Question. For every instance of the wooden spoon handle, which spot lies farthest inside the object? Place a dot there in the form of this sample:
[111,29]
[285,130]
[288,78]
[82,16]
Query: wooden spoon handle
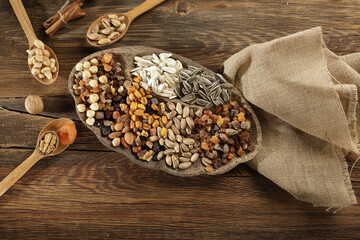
[24,20]
[18,172]
[142,8]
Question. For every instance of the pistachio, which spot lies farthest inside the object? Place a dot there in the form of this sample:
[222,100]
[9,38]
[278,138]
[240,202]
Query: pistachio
[104,41]
[184,165]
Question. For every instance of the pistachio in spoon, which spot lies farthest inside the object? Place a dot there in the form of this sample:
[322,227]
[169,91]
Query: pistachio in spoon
[107,29]
[110,28]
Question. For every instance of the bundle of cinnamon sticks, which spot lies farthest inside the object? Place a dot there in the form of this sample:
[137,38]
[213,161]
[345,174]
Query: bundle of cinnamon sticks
[71,12]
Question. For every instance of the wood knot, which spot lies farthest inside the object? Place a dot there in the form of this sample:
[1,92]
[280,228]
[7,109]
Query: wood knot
[182,7]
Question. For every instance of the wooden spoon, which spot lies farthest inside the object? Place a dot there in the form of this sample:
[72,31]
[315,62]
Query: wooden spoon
[25,166]
[129,17]
[25,23]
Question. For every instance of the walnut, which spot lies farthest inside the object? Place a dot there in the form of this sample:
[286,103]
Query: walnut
[34,104]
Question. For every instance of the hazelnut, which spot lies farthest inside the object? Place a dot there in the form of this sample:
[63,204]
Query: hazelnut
[34,104]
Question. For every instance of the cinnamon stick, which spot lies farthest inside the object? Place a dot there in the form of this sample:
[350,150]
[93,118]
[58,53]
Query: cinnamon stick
[56,17]
[60,23]
[69,13]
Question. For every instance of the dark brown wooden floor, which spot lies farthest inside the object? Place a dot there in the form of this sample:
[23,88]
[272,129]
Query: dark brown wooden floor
[91,192]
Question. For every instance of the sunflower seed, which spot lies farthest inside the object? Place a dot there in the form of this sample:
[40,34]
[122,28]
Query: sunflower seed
[187,86]
[194,157]
[203,80]
[175,130]
[220,78]
[188,98]
[190,122]
[226,85]
[188,141]
[202,102]
[192,68]
[177,124]
[196,87]
[168,160]
[184,75]
[171,106]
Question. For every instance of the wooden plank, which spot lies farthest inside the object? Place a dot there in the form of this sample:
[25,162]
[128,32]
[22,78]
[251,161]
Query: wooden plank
[91,192]
[54,106]
[80,193]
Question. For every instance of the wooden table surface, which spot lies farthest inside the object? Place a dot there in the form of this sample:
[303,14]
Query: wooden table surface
[91,192]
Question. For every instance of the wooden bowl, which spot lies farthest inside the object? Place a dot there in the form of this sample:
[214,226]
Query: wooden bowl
[125,55]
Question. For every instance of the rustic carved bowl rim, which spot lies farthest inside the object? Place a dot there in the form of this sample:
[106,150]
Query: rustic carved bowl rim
[126,55]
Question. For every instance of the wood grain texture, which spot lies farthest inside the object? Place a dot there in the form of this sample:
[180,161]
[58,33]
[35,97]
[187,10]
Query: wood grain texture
[91,192]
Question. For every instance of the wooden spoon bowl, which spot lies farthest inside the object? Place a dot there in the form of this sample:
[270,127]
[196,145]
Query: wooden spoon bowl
[45,80]
[25,166]
[126,57]
[98,21]
[129,17]
[25,23]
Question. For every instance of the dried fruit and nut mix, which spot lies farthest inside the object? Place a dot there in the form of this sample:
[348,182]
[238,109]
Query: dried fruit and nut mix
[128,113]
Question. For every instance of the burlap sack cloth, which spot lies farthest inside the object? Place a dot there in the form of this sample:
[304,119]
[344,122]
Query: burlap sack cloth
[305,98]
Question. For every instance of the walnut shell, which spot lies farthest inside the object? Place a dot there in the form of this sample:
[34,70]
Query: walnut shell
[34,104]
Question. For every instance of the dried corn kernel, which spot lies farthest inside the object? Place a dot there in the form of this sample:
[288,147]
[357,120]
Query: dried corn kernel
[139,112]
[133,105]
[150,119]
[131,89]
[164,119]
[136,85]
[138,124]
[144,133]
[146,116]
[162,107]
[131,96]
[215,139]
[144,100]
[146,126]
[149,144]
[123,106]
[141,106]
[156,123]
[132,124]
[131,112]
[137,94]
[154,107]
[134,118]
[137,79]
[156,116]
[241,117]
[163,131]
[142,92]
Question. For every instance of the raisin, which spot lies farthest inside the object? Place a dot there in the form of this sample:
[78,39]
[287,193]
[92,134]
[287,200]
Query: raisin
[108,114]
[105,130]
[156,147]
